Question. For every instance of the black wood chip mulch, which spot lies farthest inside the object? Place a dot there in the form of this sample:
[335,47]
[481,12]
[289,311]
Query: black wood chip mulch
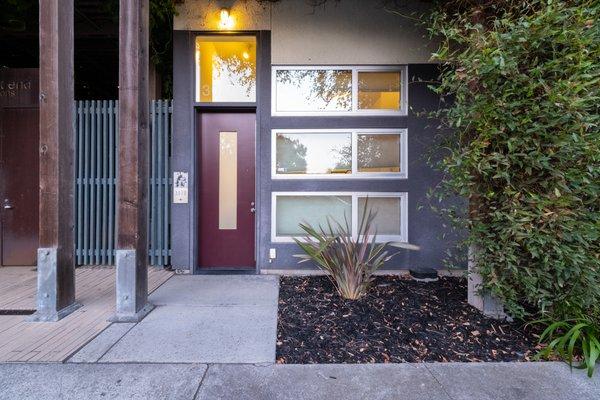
[399,320]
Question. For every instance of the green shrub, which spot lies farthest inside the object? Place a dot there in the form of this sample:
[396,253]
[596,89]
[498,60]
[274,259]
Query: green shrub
[523,145]
[349,262]
[570,338]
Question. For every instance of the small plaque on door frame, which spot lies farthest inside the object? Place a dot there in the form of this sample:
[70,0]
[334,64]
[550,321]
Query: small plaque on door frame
[180,187]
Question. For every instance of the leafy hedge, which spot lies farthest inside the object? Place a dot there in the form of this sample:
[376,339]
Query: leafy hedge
[524,80]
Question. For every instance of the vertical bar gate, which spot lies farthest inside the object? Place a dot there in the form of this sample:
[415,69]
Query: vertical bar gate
[96,127]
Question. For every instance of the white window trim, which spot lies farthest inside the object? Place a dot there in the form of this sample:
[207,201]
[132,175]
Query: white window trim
[403,196]
[356,112]
[355,174]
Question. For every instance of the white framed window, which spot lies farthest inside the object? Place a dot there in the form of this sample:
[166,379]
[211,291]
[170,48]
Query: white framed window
[339,90]
[339,154]
[289,209]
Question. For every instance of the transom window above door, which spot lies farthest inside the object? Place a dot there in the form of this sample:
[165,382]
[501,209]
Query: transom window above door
[339,154]
[225,69]
[340,90]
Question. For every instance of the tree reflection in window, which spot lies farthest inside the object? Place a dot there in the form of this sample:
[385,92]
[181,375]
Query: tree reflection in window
[378,153]
[226,69]
[314,90]
[314,153]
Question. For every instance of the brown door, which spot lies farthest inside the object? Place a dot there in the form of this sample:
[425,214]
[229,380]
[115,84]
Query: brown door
[19,174]
[226,190]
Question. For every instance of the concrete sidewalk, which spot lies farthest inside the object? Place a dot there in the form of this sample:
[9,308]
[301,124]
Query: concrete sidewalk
[455,381]
[197,319]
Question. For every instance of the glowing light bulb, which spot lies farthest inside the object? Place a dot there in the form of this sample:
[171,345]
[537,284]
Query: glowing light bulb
[245,55]
[226,21]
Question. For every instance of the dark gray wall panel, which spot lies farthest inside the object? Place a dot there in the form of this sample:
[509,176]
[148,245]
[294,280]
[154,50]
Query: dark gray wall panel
[182,147]
[426,229]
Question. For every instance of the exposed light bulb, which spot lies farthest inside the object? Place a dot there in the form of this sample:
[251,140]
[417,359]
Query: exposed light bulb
[226,21]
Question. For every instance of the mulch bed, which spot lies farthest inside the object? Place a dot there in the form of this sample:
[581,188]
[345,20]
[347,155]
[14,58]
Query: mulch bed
[400,320]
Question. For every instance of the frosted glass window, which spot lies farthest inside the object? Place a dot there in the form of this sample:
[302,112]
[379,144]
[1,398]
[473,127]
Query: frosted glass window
[227,180]
[225,69]
[314,153]
[314,210]
[378,152]
[389,213]
[313,90]
[379,90]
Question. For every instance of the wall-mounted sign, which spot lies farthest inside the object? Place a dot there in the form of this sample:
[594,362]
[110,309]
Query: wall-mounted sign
[180,187]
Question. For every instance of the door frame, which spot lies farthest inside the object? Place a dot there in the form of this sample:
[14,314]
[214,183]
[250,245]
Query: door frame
[199,112]
[184,239]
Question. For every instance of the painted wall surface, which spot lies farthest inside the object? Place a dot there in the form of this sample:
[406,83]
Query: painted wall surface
[337,32]
[425,228]
[351,32]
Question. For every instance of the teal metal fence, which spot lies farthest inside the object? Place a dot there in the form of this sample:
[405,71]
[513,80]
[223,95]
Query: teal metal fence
[96,151]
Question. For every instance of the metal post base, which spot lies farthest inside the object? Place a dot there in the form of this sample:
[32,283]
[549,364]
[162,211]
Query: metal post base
[132,300]
[134,317]
[52,316]
[47,289]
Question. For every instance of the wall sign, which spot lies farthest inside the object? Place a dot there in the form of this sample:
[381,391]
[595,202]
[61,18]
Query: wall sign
[180,187]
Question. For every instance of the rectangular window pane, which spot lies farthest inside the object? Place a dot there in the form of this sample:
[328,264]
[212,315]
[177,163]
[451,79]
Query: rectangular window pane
[379,90]
[313,90]
[314,210]
[388,209]
[225,69]
[228,180]
[314,153]
[378,152]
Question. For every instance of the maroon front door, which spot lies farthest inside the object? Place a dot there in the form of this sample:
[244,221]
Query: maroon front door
[19,181]
[226,190]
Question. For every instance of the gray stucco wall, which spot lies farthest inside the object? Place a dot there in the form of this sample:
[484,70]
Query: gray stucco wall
[337,32]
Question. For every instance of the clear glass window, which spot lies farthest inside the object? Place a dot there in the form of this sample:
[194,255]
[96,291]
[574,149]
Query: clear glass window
[339,154]
[378,152]
[314,210]
[314,153]
[379,90]
[225,69]
[313,90]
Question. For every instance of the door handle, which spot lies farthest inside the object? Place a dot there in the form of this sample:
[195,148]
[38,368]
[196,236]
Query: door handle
[7,205]
[252,208]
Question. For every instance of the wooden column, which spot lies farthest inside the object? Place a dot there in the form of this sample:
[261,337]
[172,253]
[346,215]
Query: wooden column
[132,187]
[56,266]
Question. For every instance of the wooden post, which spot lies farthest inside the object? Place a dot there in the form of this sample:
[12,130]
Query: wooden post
[56,265]
[132,187]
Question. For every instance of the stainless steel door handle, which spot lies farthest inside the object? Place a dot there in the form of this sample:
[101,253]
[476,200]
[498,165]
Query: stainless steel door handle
[8,207]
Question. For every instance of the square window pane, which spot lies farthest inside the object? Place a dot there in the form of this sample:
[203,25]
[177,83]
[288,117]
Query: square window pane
[379,90]
[313,90]
[225,69]
[314,210]
[313,153]
[388,209]
[378,152]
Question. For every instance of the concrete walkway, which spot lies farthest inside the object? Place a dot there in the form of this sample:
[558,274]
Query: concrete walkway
[197,319]
[455,381]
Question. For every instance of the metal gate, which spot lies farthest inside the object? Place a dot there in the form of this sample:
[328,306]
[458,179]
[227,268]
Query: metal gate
[96,126]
